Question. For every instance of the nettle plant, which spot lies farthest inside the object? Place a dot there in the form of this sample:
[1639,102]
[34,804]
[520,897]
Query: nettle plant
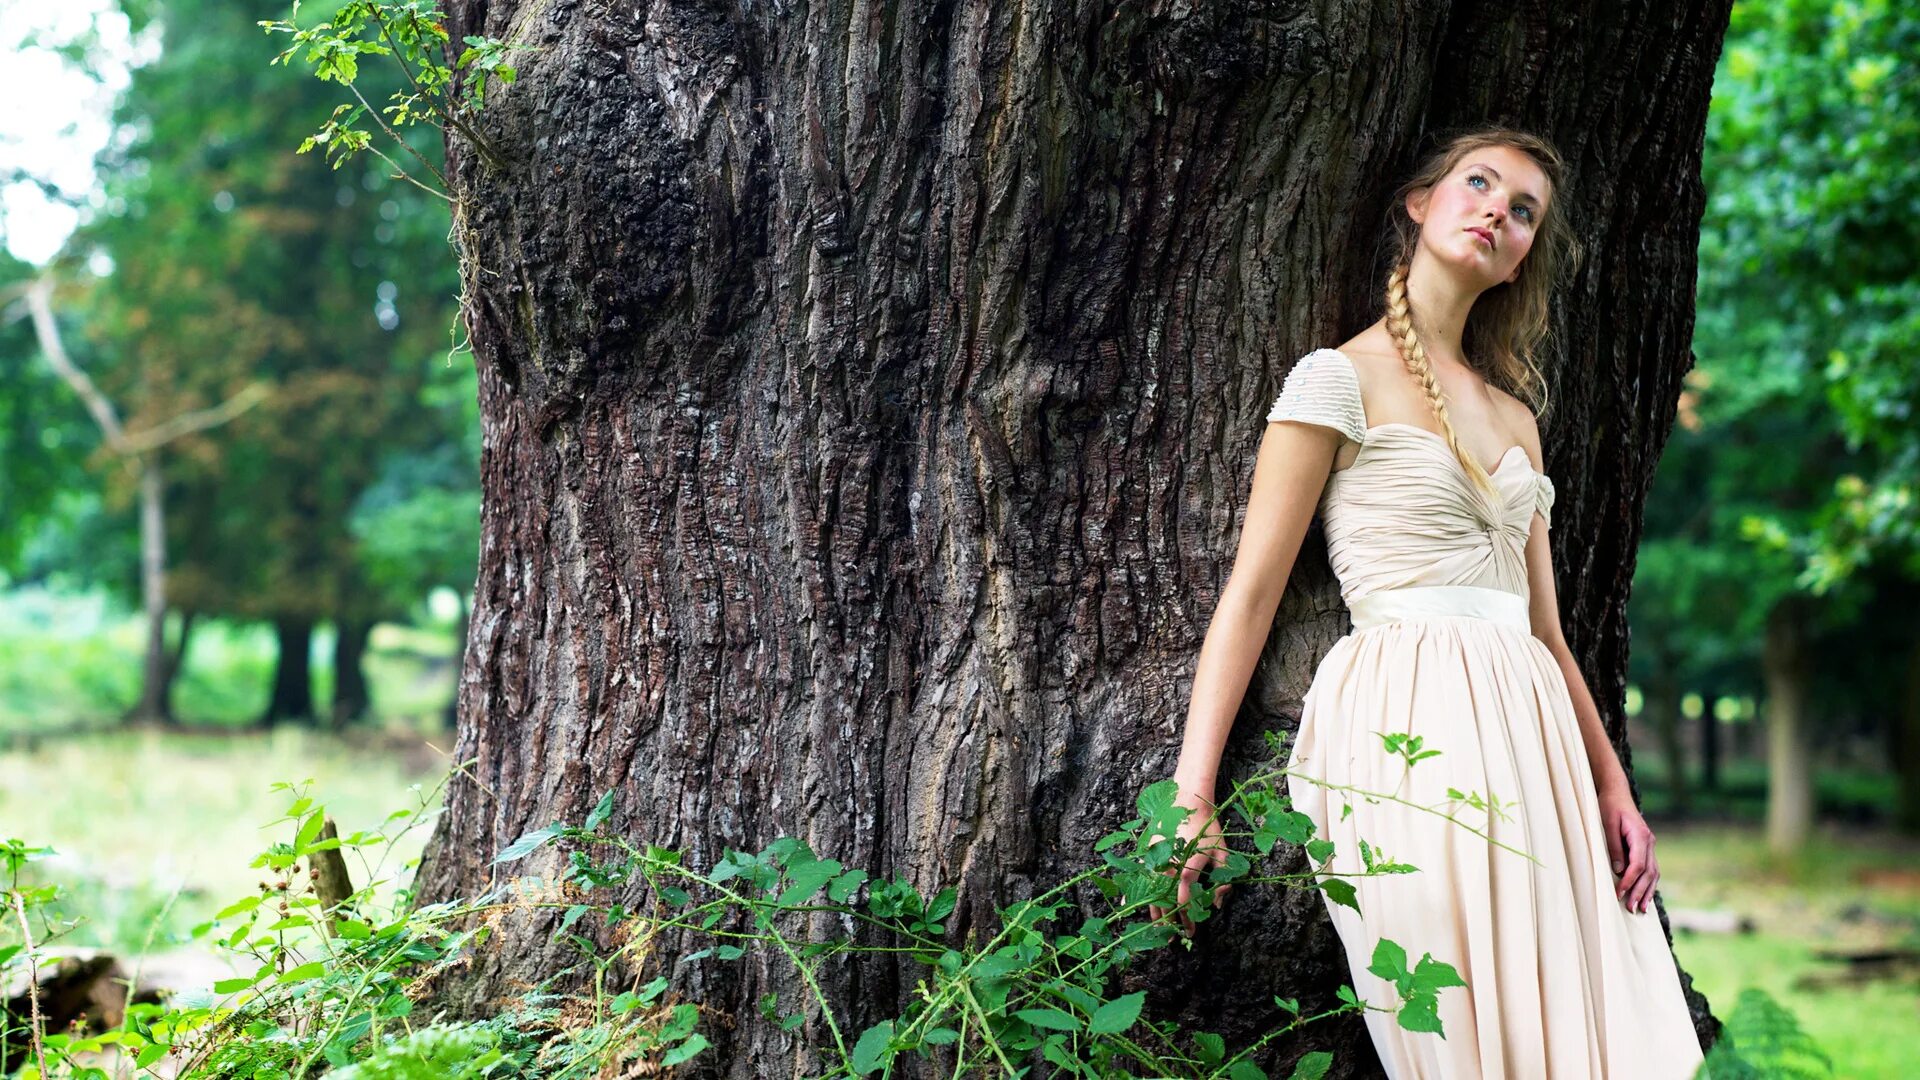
[329,976]
[412,36]
[1037,987]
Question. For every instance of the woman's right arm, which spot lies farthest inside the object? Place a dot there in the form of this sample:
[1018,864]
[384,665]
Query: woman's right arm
[1288,477]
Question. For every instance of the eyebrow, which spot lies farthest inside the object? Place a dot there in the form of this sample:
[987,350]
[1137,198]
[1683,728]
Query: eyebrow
[1496,175]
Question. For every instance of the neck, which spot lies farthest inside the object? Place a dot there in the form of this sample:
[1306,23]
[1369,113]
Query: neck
[1440,303]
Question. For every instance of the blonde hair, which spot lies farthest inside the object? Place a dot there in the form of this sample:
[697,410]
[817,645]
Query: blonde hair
[1509,319]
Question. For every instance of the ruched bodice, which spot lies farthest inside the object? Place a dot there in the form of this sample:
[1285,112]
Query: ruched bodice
[1405,512]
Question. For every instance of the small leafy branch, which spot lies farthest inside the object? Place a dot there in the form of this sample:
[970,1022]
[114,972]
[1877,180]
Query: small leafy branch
[413,35]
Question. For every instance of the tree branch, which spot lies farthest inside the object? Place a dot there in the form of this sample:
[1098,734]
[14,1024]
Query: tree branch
[39,298]
[40,303]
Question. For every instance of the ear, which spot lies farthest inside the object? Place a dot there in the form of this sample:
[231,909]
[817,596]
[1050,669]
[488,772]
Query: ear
[1417,204]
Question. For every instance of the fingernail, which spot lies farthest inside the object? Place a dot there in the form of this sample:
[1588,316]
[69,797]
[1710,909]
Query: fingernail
[1616,868]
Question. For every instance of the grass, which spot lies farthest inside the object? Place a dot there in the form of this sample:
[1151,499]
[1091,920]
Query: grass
[1853,888]
[147,822]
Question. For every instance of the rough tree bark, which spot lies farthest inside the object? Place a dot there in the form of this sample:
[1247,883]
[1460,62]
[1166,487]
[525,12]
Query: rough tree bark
[871,390]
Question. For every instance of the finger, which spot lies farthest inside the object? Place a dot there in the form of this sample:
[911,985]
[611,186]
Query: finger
[1645,893]
[1636,867]
[1220,895]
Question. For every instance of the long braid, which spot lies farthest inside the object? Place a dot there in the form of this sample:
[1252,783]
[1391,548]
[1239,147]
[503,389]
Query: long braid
[1407,341]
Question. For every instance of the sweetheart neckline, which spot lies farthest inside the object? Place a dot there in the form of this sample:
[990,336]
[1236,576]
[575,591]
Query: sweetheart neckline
[1499,464]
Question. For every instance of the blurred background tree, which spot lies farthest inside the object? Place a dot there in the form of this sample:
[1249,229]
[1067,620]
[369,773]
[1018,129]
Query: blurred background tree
[1780,553]
[217,257]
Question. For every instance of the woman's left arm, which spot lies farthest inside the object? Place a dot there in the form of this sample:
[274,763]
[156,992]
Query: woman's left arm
[1629,840]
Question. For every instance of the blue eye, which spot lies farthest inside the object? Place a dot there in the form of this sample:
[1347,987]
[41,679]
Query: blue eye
[1521,209]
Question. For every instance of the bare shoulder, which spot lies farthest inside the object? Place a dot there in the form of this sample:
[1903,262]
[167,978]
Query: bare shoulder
[1519,420]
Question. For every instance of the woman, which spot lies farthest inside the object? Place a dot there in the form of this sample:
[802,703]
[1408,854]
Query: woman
[1426,471]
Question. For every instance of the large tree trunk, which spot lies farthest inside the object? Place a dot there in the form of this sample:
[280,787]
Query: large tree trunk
[871,394]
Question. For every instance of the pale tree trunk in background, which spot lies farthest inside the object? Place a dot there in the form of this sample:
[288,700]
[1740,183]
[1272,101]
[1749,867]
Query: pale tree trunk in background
[155,683]
[139,452]
[1789,740]
[870,397]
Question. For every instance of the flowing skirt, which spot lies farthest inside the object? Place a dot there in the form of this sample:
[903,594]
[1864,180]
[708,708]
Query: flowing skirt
[1563,981]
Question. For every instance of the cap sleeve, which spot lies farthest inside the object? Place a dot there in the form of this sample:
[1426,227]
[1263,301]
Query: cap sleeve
[1543,497]
[1323,389]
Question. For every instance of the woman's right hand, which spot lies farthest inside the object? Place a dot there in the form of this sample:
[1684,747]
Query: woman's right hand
[1211,850]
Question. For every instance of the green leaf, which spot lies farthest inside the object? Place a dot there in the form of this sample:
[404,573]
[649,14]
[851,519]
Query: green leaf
[231,986]
[1341,891]
[1118,1015]
[807,878]
[1389,961]
[310,830]
[695,1043]
[1213,1048]
[844,886]
[1051,1019]
[1245,1070]
[238,907]
[874,1048]
[529,843]
[601,811]
[1421,1013]
[1432,975]
[311,970]
[1312,1065]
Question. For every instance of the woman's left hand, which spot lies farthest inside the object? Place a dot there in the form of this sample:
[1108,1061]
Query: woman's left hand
[1630,847]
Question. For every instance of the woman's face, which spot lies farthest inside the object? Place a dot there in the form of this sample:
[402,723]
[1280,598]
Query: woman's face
[1482,216]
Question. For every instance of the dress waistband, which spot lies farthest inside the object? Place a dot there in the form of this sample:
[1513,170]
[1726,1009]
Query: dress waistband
[1421,601]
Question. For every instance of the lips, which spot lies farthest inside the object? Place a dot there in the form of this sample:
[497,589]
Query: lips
[1483,233]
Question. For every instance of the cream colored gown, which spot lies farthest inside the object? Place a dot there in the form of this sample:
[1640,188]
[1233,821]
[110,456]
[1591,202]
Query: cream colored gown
[1562,980]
